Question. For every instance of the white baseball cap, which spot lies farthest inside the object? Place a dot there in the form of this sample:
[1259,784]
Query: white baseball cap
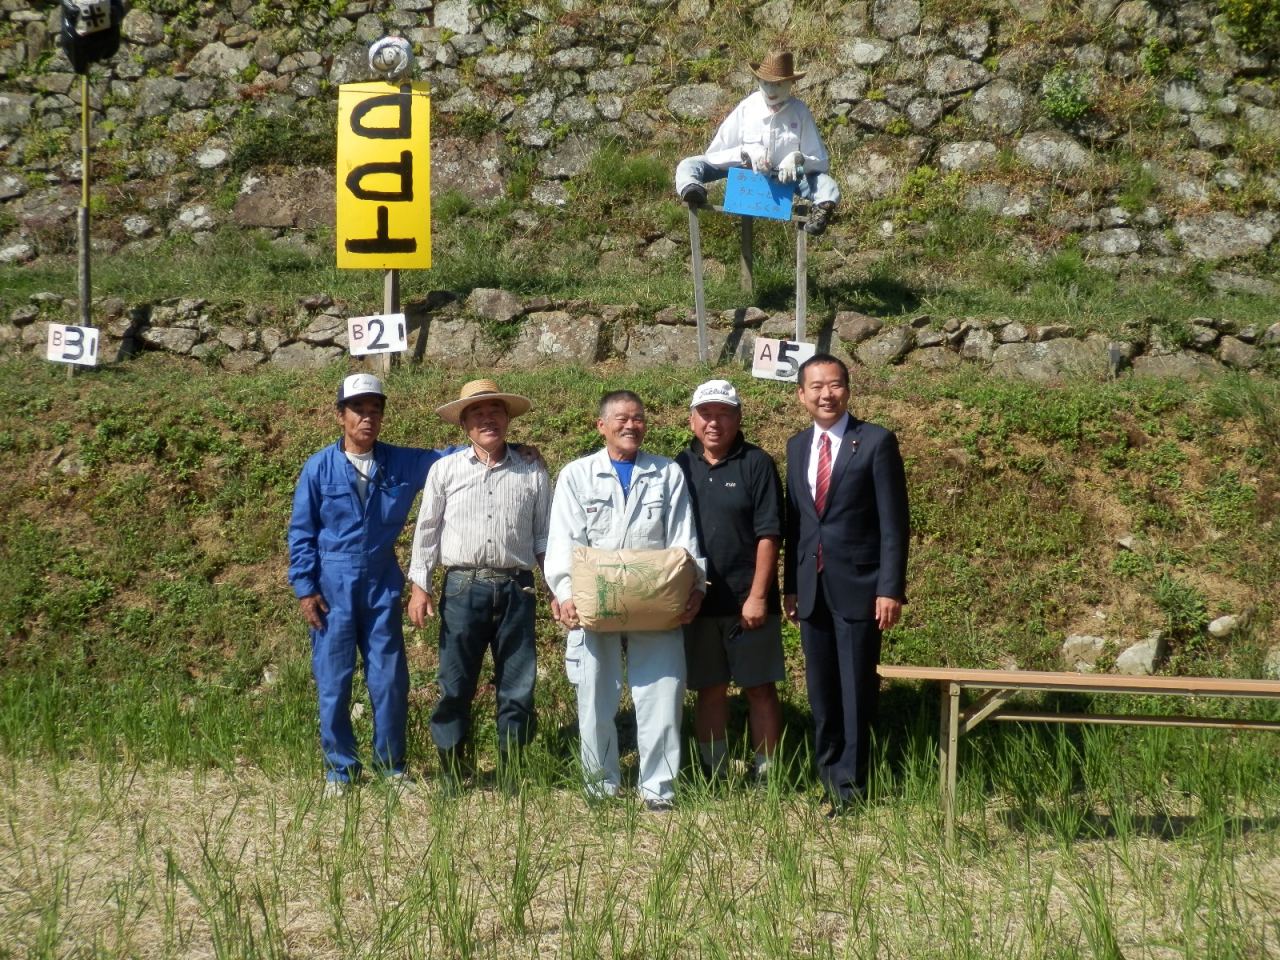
[715,391]
[360,385]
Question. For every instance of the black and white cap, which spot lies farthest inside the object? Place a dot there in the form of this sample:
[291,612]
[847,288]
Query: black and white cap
[715,391]
[360,385]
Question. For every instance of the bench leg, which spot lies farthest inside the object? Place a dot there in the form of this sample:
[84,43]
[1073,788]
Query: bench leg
[948,750]
[699,295]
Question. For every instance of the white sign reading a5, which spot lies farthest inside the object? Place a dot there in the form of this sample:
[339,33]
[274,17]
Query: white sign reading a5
[385,333]
[68,344]
[780,359]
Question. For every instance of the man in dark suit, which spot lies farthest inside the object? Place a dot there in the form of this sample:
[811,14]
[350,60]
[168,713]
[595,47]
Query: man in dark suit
[845,567]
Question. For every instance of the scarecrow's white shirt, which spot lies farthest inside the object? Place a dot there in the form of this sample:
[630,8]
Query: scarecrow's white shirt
[787,131]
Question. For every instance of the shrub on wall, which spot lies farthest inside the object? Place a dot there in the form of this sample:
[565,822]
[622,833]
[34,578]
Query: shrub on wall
[1253,24]
[1064,96]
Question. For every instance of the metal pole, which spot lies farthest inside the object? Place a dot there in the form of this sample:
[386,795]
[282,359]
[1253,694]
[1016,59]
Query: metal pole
[390,283]
[699,294]
[82,215]
[802,284]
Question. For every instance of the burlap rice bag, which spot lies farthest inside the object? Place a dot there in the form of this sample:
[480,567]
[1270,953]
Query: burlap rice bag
[627,590]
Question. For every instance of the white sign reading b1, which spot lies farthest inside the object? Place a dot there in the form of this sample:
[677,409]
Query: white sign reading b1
[780,359]
[69,344]
[385,333]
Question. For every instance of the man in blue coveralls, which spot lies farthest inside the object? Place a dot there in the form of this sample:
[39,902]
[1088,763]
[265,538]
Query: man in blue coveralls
[349,508]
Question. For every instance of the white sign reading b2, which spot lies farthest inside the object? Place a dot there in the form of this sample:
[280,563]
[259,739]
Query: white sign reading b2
[385,333]
[780,359]
[68,344]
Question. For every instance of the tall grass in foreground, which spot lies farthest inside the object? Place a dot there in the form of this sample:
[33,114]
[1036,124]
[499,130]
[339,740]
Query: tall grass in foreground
[1066,859]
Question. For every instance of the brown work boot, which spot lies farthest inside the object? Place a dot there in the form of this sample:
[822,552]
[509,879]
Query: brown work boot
[819,217]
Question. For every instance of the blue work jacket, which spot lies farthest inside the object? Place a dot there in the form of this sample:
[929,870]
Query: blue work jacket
[330,525]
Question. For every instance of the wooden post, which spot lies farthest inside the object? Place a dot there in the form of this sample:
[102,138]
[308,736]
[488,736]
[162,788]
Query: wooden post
[390,304]
[947,778]
[748,253]
[802,284]
[699,294]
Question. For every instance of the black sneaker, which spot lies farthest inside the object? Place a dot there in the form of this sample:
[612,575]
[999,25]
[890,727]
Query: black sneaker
[819,217]
[659,806]
[695,195]
[846,806]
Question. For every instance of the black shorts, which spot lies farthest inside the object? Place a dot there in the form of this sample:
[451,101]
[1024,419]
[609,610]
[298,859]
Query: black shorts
[717,650]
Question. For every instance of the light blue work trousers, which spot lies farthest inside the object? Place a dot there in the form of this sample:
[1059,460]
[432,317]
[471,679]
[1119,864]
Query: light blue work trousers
[814,187]
[655,671]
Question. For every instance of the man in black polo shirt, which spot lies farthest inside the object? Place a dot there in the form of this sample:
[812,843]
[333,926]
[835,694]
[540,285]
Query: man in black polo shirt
[737,635]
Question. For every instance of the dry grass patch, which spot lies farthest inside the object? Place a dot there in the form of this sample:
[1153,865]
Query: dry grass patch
[110,861]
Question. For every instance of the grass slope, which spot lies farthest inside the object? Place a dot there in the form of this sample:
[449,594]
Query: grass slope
[143,592]
[159,776]
[970,274]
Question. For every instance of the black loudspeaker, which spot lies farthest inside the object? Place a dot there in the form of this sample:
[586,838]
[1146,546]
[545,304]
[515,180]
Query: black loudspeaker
[90,31]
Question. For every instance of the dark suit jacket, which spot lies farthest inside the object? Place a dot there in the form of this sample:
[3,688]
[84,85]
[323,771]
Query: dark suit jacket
[863,528]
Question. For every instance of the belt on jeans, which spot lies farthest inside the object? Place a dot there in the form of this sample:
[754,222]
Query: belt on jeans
[488,573]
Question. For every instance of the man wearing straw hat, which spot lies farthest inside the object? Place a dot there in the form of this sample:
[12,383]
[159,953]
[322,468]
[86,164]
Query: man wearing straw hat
[774,134]
[483,519]
[349,509]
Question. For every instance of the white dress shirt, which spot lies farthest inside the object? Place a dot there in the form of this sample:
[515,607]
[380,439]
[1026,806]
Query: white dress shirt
[836,433]
[789,130]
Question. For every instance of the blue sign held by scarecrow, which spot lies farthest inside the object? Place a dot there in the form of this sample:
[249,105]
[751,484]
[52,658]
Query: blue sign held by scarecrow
[755,195]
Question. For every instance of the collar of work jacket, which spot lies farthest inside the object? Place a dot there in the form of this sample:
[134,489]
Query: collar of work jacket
[646,482]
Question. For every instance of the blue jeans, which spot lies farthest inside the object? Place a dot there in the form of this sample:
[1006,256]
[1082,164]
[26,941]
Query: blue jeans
[480,612]
[814,187]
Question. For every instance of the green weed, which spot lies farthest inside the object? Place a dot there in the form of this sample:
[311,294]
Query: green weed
[1253,24]
[1064,96]
[262,142]
[1154,58]
[1182,604]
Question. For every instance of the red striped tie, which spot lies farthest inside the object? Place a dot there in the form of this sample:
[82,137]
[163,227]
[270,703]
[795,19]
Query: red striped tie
[823,481]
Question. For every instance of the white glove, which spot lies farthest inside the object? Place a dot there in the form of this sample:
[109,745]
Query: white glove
[790,166]
[753,153]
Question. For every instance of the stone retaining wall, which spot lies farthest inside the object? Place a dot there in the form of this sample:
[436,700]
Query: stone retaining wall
[203,112]
[495,328]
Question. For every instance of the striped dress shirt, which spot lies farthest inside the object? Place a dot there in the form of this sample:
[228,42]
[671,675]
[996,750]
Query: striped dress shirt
[473,515]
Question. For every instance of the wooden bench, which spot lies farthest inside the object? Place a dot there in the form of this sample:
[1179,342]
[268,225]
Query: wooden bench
[1001,685]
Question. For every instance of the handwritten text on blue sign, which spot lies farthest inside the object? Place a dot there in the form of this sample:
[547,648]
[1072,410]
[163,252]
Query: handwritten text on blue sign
[755,195]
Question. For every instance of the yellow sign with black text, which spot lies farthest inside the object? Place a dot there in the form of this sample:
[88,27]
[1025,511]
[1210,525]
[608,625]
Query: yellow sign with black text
[384,176]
